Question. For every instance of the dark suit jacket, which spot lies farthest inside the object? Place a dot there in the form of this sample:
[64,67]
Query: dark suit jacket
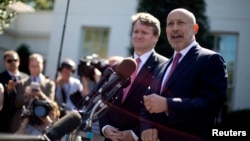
[125,115]
[200,80]
[8,105]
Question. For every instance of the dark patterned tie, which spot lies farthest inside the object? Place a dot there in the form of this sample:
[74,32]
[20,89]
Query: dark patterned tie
[174,64]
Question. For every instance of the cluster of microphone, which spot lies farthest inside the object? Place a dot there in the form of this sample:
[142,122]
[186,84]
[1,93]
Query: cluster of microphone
[106,88]
[110,82]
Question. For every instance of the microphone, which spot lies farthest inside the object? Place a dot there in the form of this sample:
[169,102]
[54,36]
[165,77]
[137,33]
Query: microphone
[104,78]
[63,126]
[123,71]
[108,98]
[123,84]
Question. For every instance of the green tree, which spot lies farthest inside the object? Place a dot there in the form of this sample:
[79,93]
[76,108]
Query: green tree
[161,8]
[7,16]
[40,4]
[24,53]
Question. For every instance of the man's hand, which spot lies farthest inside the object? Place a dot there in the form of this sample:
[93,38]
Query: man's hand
[11,85]
[36,93]
[155,103]
[97,74]
[149,135]
[126,136]
[85,84]
[27,91]
[112,133]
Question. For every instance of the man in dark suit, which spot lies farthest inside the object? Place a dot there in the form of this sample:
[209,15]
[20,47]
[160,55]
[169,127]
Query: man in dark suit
[9,78]
[184,107]
[121,122]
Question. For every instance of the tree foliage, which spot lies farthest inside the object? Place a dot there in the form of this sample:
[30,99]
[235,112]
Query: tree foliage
[161,8]
[40,4]
[24,53]
[7,15]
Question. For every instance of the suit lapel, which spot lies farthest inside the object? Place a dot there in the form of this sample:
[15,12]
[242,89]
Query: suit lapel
[23,75]
[7,76]
[42,82]
[146,68]
[188,59]
[160,74]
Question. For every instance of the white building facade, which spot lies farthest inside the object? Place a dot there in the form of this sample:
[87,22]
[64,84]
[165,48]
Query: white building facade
[108,24]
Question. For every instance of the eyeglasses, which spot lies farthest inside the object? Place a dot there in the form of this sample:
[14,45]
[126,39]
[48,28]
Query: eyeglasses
[12,60]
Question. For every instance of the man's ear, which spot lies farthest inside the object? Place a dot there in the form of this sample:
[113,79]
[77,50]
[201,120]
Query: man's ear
[195,28]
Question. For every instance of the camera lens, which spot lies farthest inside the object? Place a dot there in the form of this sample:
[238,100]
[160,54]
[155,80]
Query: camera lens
[40,111]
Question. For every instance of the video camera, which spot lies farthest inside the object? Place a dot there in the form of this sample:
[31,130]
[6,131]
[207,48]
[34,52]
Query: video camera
[87,65]
[36,110]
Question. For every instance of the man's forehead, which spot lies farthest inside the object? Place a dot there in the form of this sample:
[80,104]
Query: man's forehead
[15,56]
[181,14]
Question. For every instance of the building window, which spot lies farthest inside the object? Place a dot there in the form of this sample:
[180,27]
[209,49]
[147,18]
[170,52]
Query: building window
[95,41]
[226,45]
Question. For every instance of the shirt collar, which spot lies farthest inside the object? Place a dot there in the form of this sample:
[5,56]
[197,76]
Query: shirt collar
[144,57]
[37,78]
[11,74]
[185,50]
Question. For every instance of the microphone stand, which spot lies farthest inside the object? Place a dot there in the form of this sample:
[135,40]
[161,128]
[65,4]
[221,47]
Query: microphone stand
[100,102]
[85,101]
[85,129]
[62,37]
[99,107]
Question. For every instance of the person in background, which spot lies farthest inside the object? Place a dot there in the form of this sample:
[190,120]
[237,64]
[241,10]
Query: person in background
[87,83]
[86,80]
[183,105]
[66,84]
[114,60]
[35,125]
[1,96]
[121,121]
[35,86]
[9,79]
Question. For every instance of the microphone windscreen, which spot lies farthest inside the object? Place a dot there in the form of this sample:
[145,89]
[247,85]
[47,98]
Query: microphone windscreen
[126,67]
[65,125]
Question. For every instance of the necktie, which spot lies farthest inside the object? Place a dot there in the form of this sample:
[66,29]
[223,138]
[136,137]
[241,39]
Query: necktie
[63,94]
[15,77]
[138,61]
[174,64]
[33,79]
